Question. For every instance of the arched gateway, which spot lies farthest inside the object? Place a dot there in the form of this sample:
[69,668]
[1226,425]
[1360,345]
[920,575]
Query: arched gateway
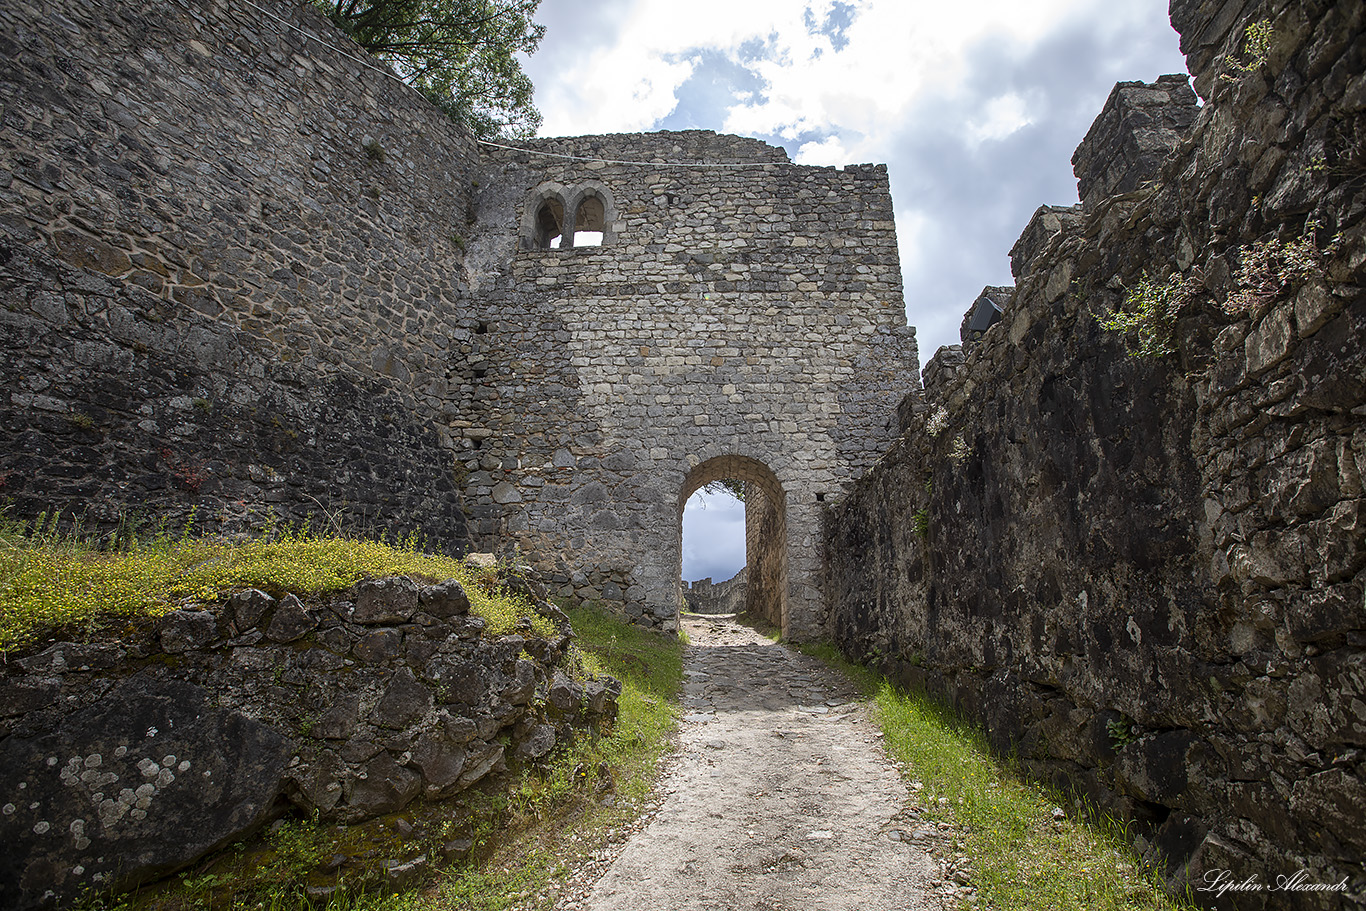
[741,318]
[765,530]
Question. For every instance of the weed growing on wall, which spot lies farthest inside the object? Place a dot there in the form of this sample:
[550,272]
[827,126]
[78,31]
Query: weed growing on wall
[1256,47]
[1272,269]
[1147,317]
[937,422]
[1123,731]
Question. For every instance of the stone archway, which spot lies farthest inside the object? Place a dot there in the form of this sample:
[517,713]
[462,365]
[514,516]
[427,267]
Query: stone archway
[765,532]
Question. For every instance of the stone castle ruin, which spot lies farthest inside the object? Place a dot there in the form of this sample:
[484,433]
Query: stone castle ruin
[245,272]
[265,273]
[703,596]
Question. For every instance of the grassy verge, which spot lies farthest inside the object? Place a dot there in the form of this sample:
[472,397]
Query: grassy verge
[1020,857]
[55,584]
[557,818]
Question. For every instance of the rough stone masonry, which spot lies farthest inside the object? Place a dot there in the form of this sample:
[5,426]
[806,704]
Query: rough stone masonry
[243,271]
[1145,575]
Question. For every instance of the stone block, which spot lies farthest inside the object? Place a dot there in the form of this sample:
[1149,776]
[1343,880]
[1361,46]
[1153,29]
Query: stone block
[445,600]
[146,781]
[183,630]
[290,621]
[405,700]
[383,601]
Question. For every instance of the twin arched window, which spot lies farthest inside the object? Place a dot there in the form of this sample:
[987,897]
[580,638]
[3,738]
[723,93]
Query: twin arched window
[560,218]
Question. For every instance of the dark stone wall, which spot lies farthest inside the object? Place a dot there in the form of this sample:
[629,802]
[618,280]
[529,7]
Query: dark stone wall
[125,758]
[230,271]
[1145,576]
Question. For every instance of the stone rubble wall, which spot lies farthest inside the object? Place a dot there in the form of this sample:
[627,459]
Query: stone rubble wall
[1145,576]
[750,312]
[231,270]
[704,596]
[123,759]
[766,569]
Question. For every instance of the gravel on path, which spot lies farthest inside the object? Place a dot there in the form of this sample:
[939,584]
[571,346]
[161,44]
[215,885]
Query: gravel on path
[780,797]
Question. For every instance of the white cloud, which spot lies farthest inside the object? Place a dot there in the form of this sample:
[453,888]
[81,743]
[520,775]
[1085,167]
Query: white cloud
[974,106]
[1002,116]
[829,151]
[713,536]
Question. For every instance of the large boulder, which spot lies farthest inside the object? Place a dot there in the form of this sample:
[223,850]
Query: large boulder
[143,783]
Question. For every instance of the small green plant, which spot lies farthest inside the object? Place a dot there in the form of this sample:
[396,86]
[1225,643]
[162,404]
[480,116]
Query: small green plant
[82,420]
[1148,315]
[921,520]
[1273,269]
[937,422]
[373,150]
[959,450]
[1122,730]
[374,192]
[1256,46]
[458,241]
[203,405]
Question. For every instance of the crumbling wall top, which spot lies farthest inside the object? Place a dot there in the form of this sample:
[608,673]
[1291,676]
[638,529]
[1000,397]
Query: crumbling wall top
[1137,129]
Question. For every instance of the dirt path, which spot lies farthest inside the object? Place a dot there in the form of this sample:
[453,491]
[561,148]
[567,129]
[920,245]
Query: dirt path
[779,798]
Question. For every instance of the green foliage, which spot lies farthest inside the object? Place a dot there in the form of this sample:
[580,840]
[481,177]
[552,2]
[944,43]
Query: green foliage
[1272,269]
[1022,857]
[50,581]
[732,486]
[1148,315]
[922,523]
[461,54]
[1122,731]
[1256,45]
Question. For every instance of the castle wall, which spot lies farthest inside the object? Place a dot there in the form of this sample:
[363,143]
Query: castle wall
[231,271]
[1145,576]
[727,597]
[248,272]
[749,313]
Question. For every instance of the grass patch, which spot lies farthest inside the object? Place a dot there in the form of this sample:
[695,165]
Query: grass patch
[52,583]
[1021,857]
[589,792]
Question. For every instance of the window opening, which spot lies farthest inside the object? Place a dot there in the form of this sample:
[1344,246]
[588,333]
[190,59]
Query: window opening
[550,225]
[589,223]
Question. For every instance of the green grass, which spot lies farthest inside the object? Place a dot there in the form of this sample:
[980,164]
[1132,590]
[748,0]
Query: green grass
[1021,858]
[51,583]
[554,817]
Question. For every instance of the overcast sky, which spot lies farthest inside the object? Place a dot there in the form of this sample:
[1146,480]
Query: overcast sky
[975,107]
